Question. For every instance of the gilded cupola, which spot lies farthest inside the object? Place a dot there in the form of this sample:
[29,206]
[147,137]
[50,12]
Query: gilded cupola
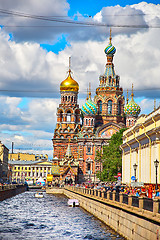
[69,84]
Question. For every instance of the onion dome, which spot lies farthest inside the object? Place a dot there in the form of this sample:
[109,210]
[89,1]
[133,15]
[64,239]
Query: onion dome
[110,50]
[89,108]
[132,108]
[69,84]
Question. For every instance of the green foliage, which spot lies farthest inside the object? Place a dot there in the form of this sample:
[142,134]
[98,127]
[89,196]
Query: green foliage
[111,158]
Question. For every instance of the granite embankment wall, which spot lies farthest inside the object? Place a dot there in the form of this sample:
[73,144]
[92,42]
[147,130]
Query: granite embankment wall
[130,222]
[9,191]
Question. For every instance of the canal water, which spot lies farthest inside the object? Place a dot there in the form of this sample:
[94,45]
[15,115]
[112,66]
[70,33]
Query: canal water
[25,217]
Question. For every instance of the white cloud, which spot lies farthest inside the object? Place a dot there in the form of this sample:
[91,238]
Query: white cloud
[26,66]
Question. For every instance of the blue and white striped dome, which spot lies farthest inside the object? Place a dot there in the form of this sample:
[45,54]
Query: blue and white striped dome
[89,108]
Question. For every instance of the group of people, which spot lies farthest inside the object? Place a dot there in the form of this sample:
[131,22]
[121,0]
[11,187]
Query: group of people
[145,191]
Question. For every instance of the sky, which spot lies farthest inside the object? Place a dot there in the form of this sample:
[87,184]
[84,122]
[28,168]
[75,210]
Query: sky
[38,37]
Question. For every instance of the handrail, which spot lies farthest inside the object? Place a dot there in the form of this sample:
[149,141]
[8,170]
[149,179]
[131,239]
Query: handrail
[122,200]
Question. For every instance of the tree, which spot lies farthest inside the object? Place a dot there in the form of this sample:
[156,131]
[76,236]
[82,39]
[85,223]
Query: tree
[111,157]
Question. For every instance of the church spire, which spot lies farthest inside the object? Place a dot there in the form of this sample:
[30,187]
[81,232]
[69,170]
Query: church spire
[127,97]
[132,94]
[110,38]
[89,93]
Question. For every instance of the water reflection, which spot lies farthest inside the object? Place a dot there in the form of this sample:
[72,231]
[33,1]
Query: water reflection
[27,217]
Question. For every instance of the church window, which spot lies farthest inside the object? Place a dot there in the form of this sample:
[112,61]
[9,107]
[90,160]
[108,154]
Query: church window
[110,80]
[61,116]
[117,81]
[88,166]
[68,116]
[129,123]
[99,103]
[86,121]
[65,98]
[68,98]
[119,108]
[109,107]
[72,99]
[92,122]
[76,115]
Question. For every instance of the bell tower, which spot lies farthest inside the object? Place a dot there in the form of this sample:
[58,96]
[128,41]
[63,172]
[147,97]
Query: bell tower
[109,95]
[68,116]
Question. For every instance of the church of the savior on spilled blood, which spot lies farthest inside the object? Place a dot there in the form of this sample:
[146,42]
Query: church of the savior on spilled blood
[80,133]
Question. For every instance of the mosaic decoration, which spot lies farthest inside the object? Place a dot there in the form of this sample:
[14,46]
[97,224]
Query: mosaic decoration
[55,170]
[110,50]
[132,109]
[89,107]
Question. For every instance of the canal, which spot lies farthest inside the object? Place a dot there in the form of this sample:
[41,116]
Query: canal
[26,217]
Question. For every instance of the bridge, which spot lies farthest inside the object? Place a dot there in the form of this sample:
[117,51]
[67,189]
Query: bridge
[132,217]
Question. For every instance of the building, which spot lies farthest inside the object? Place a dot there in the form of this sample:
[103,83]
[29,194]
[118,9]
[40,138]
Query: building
[26,157]
[101,118]
[3,162]
[27,170]
[140,150]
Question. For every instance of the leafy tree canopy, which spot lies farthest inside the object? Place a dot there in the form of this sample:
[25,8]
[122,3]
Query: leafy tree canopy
[111,158]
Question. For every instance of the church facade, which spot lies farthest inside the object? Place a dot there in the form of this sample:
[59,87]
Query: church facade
[85,131]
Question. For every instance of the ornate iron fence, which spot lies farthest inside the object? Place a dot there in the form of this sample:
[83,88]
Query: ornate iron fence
[148,204]
[135,201]
[125,198]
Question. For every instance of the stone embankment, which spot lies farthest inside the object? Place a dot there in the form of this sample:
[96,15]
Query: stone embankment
[133,218]
[8,191]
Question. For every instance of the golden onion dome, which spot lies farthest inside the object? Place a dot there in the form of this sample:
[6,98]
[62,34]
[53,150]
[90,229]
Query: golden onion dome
[69,84]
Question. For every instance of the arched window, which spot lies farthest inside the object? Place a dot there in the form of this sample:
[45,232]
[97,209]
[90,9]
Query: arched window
[76,116]
[92,122]
[69,116]
[110,80]
[72,99]
[61,116]
[66,98]
[129,122]
[86,121]
[99,107]
[119,108]
[109,107]
[117,81]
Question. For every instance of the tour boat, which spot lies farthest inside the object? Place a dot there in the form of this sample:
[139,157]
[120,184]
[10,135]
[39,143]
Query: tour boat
[39,195]
[73,203]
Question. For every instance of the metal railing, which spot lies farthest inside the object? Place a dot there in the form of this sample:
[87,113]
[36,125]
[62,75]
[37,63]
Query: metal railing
[146,203]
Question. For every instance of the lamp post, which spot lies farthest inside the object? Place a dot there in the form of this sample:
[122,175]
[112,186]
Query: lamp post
[135,168]
[156,163]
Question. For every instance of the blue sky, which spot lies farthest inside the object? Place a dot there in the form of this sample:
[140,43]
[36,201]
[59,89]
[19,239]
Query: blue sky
[34,60]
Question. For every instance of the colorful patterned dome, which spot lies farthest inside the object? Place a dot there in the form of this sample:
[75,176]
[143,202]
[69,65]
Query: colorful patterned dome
[89,107]
[110,49]
[132,109]
[69,84]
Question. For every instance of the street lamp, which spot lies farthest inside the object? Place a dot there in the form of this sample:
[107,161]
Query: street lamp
[135,168]
[156,163]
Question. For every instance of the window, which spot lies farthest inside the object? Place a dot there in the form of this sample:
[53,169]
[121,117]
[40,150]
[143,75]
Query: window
[119,108]
[109,107]
[92,122]
[99,103]
[89,149]
[18,168]
[68,116]
[61,116]
[88,166]
[25,168]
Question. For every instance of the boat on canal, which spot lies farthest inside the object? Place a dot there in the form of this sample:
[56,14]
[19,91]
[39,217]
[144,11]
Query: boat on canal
[39,195]
[73,203]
